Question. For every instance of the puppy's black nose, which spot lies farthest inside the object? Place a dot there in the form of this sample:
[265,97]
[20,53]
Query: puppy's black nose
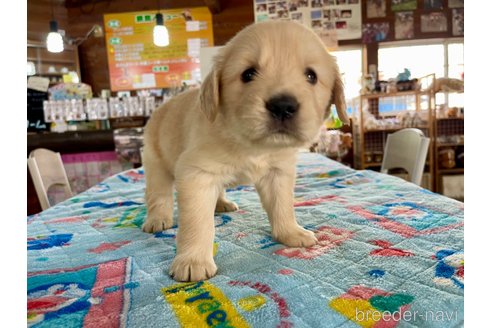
[282,107]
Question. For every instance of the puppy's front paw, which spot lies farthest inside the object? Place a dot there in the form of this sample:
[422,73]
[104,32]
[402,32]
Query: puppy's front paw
[225,206]
[156,224]
[297,237]
[187,268]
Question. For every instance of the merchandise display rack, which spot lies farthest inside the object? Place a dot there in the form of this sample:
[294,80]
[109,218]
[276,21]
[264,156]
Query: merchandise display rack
[369,141]
[449,136]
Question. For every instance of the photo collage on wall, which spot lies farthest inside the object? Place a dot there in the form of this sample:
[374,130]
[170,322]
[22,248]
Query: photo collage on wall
[438,21]
[404,21]
[376,8]
[431,13]
[403,5]
[458,21]
[404,25]
[375,32]
[332,20]
[434,22]
[458,17]
[456,3]
[433,4]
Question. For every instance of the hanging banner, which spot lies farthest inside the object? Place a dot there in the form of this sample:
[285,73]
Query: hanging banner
[332,20]
[136,63]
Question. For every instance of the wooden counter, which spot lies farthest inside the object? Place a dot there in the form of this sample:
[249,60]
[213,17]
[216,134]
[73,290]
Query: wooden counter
[71,142]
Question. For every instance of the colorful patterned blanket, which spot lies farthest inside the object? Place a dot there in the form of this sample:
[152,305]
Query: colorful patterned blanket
[390,254]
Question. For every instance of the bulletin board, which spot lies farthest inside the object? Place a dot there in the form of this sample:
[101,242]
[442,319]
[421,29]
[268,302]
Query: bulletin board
[332,20]
[411,19]
[136,63]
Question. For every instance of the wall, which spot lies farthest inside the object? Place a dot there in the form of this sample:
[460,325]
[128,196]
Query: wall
[234,15]
[78,16]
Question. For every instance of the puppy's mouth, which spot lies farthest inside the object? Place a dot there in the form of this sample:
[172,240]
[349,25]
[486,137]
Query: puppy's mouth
[284,133]
[282,128]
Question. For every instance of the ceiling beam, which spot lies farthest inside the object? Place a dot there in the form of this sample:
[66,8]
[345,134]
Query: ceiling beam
[79,3]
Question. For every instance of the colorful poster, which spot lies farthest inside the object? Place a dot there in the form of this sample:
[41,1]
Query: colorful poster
[402,5]
[434,22]
[376,8]
[136,63]
[404,25]
[332,20]
[458,22]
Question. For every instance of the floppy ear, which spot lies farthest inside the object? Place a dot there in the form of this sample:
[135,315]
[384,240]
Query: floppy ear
[338,98]
[209,95]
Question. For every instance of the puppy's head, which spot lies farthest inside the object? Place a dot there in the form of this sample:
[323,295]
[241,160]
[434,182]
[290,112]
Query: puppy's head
[272,85]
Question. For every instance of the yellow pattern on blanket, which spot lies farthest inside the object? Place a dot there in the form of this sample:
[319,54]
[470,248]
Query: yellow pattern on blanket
[201,304]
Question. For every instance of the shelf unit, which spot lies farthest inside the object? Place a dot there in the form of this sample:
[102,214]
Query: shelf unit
[449,134]
[48,65]
[444,131]
[43,60]
[369,142]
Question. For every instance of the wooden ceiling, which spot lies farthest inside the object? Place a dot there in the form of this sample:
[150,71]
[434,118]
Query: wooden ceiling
[213,5]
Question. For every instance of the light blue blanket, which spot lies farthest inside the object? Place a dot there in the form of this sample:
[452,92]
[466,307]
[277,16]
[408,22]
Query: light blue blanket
[390,254]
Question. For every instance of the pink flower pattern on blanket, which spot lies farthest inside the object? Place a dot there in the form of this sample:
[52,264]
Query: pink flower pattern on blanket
[106,247]
[387,249]
[328,238]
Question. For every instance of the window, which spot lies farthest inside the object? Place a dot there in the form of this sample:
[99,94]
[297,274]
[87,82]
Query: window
[445,58]
[456,61]
[350,65]
[456,70]
[420,60]
[442,57]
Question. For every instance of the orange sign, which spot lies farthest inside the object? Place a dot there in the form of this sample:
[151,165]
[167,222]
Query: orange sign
[136,63]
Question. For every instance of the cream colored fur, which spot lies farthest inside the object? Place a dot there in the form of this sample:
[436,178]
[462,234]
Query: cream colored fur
[222,135]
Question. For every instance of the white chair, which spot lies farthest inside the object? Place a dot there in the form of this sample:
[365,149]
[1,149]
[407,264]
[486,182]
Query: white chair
[46,168]
[406,149]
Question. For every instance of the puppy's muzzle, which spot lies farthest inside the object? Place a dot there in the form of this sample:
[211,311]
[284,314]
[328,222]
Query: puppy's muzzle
[282,107]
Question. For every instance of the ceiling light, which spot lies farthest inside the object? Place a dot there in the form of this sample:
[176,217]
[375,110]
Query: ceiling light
[161,34]
[54,41]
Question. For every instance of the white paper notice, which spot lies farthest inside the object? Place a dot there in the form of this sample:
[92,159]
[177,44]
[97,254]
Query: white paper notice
[194,46]
[38,83]
[192,26]
[146,81]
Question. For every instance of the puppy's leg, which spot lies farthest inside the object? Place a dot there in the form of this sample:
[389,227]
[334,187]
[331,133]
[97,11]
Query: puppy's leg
[225,205]
[197,196]
[158,197]
[276,190]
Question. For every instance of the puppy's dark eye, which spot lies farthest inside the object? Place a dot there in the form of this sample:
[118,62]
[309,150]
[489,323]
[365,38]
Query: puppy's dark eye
[311,76]
[248,75]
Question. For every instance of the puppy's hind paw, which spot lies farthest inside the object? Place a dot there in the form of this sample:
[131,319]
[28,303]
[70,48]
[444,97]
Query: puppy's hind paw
[186,268]
[223,206]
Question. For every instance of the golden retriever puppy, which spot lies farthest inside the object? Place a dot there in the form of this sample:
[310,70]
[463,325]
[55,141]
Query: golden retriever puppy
[267,95]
